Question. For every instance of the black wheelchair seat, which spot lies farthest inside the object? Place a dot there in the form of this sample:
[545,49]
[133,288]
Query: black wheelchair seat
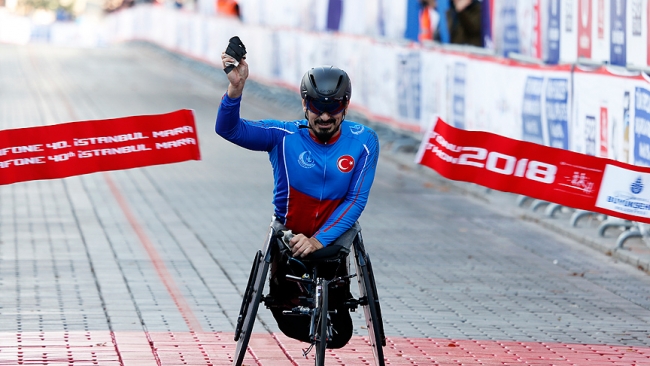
[330,253]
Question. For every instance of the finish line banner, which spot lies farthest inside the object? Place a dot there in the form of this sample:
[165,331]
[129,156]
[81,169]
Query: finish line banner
[67,149]
[555,175]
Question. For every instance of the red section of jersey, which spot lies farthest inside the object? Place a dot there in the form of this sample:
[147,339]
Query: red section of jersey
[307,214]
[64,150]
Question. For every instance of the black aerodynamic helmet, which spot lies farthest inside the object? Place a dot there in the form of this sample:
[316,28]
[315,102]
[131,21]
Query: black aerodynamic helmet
[326,84]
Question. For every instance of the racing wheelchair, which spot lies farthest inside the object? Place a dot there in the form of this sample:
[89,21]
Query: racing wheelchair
[320,279]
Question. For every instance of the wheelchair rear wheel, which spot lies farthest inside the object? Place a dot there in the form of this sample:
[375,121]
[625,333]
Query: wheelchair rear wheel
[250,305]
[371,309]
[248,294]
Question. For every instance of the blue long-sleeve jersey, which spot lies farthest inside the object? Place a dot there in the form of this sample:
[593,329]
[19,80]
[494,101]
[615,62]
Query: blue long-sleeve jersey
[320,189]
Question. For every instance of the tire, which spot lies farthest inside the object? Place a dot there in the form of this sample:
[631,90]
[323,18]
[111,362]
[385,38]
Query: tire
[372,311]
[323,324]
[250,305]
[248,293]
[379,323]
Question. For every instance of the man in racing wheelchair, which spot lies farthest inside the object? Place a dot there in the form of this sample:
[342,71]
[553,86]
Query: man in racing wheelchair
[323,168]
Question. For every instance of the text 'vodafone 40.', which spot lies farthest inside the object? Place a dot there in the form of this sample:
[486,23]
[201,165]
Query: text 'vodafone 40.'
[561,176]
[67,149]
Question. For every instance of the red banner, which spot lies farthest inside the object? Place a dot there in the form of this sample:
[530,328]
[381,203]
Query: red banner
[75,148]
[555,175]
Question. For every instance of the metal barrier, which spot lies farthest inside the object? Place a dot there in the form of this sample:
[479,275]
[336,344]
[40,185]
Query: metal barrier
[629,229]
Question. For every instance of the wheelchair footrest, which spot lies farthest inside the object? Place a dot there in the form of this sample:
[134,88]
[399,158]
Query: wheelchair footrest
[298,310]
[305,280]
[352,304]
[271,302]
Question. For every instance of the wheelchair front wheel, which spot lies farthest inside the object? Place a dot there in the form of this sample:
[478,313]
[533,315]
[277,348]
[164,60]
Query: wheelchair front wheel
[323,323]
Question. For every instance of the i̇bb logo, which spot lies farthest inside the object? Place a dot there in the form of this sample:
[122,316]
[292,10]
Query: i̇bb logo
[345,163]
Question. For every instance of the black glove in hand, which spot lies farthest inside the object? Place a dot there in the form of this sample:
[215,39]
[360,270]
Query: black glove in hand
[236,50]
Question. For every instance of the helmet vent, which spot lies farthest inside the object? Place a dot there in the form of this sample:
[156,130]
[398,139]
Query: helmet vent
[339,83]
[313,81]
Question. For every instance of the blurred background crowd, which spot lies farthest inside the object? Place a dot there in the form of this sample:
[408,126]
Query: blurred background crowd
[550,31]
[415,20]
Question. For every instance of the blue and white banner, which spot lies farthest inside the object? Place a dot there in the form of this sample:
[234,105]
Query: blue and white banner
[510,35]
[637,32]
[435,66]
[409,67]
[487,23]
[557,111]
[608,114]
[531,111]
[552,48]
[334,10]
[642,126]
[568,30]
[600,33]
[618,33]
[458,96]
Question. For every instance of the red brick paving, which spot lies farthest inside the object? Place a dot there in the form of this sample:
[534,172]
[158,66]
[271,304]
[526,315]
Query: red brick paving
[216,349]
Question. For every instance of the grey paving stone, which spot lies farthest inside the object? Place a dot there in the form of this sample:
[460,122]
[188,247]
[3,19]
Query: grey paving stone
[449,263]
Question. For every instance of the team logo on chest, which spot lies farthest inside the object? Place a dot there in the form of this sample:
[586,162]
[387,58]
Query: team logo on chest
[356,129]
[305,160]
[345,163]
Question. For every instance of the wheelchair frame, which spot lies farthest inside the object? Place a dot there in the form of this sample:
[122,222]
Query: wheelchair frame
[320,328]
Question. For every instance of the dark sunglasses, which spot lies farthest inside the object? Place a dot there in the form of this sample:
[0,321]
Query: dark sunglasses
[332,108]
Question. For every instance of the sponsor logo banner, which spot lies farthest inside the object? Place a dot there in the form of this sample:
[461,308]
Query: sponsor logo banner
[531,112]
[625,191]
[584,28]
[67,149]
[551,174]
[553,32]
[642,126]
[458,94]
[618,37]
[511,30]
[557,112]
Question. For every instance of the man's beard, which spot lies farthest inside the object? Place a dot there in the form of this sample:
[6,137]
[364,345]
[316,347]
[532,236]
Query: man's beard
[325,136]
